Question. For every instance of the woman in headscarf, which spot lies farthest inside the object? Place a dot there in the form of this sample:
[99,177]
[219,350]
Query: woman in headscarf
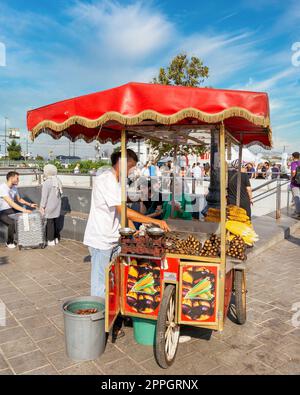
[51,203]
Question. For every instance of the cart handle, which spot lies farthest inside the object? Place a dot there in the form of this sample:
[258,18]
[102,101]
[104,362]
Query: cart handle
[97,316]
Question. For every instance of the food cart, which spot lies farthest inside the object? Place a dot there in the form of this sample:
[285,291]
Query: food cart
[194,285]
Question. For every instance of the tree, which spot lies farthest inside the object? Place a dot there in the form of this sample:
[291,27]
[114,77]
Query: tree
[14,150]
[184,72]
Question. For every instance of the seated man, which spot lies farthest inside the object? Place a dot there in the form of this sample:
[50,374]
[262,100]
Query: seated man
[10,203]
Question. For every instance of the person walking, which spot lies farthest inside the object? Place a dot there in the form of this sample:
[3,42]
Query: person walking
[50,205]
[10,203]
[295,182]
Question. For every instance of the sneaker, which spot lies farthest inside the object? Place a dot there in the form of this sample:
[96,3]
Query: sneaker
[56,241]
[184,339]
[10,245]
[51,243]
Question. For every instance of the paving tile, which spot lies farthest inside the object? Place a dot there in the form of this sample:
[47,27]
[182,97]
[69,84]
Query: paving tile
[234,358]
[45,302]
[6,372]
[278,326]
[269,357]
[291,367]
[125,366]
[51,345]
[222,371]
[27,362]
[112,353]
[12,306]
[10,322]
[242,342]
[51,311]
[34,322]
[60,360]
[58,321]
[25,312]
[292,350]
[12,334]
[45,371]
[85,368]
[44,332]
[3,363]
[18,347]
[258,369]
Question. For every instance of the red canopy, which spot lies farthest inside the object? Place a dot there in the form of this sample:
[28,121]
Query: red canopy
[146,107]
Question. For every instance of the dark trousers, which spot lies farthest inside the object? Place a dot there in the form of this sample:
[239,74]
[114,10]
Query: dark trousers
[52,231]
[4,217]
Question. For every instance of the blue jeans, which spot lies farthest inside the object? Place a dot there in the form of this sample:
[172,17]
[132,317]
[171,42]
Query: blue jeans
[100,259]
[296,195]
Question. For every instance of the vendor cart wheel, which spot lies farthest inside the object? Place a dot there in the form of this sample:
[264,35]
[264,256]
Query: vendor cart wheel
[167,330]
[240,295]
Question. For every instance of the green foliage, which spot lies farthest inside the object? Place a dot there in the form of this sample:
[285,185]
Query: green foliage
[14,150]
[160,149]
[39,158]
[183,71]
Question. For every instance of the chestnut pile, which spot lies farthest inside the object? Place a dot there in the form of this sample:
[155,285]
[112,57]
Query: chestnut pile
[237,248]
[189,246]
[211,247]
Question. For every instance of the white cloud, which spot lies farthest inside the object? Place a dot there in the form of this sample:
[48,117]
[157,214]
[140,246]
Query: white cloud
[131,31]
[272,81]
[225,54]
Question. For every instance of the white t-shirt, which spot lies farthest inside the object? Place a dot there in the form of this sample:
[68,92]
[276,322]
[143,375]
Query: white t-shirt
[102,230]
[5,191]
[196,171]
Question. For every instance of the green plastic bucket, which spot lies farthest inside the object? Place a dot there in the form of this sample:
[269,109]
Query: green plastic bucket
[144,331]
[85,336]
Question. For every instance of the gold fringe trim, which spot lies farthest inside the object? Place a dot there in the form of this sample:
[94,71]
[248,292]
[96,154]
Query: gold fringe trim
[154,116]
[58,135]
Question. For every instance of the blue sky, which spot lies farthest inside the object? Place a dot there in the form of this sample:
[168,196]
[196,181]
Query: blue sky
[57,49]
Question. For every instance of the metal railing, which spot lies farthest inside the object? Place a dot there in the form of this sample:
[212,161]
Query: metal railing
[276,190]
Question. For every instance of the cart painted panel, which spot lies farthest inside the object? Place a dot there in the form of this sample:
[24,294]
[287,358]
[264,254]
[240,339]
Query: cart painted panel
[142,287]
[112,296]
[198,294]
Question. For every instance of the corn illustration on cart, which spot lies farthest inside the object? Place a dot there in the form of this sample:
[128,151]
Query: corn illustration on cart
[186,287]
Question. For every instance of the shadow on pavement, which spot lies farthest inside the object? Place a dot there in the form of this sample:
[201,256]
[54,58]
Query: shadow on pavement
[294,240]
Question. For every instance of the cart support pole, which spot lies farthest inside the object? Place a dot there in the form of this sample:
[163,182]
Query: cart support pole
[223,228]
[174,180]
[123,179]
[239,177]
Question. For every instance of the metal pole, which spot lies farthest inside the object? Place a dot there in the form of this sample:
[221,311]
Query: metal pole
[239,176]
[123,179]
[278,200]
[223,228]
[5,132]
[174,180]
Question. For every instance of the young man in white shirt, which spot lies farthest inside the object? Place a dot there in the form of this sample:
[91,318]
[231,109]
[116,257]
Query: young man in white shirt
[10,202]
[102,230]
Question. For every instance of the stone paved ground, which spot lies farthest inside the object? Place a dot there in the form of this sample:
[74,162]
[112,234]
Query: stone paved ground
[34,284]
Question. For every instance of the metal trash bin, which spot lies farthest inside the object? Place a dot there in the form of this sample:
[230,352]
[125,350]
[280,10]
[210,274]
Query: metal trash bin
[85,336]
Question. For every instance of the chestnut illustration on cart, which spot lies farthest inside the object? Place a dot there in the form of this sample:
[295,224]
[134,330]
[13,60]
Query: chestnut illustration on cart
[143,288]
[198,294]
